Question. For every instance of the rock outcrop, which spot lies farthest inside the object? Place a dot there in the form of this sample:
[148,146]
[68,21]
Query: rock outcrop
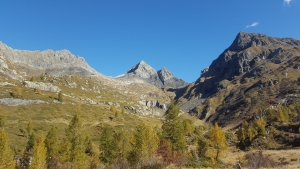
[161,78]
[168,79]
[42,86]
[19,102]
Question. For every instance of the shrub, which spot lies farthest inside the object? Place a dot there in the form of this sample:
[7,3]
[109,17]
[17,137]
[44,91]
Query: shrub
[258,160]
[16,93]
[60,97]
[38,91]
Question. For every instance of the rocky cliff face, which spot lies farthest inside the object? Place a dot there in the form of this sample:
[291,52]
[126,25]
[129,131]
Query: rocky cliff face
[55,62]
[253,68]
[161,78]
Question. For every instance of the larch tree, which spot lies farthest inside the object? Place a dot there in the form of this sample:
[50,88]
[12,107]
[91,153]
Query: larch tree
[152,141]
[39,154]
[76,142]
[107,147]
[6,155]
[122,144]
[114,145]
[145,143]
[52,145]
[173,129]
[218,139]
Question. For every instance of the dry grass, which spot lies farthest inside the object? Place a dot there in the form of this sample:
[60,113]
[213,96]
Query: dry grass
[288,158]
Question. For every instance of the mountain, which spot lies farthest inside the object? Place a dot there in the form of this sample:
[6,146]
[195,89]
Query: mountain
[255,69]
[61,62]
[52,72]
[162,78]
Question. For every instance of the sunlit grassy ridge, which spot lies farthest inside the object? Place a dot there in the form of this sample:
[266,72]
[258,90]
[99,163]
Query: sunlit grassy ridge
[76,100]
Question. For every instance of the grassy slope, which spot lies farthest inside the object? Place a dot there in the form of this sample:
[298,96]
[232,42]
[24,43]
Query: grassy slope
[58,114]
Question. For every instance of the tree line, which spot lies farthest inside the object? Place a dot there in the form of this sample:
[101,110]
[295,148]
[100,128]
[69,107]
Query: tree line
[177,142]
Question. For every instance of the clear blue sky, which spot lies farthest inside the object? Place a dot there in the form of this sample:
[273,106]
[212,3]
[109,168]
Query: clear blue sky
[113,35]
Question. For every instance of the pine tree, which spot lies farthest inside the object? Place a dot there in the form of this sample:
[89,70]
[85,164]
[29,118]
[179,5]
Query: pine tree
[39,154]
[6,155]
[217,137]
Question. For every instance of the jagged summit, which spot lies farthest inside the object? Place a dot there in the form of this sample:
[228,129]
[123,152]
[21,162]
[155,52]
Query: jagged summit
[253,69]
[143,70]
[245,40]
[246,50]
[164,74]
[59,62]
[148,74]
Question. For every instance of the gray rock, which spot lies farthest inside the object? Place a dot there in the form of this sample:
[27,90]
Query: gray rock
[60,62]
[18,102]
[168,79]
[42,86]
[161,78]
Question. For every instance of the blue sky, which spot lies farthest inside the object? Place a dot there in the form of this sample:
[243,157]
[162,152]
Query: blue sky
[113,35]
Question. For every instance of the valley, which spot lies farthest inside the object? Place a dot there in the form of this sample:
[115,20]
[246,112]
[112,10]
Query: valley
[246,101]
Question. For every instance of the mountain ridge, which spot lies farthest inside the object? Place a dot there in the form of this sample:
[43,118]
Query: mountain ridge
[235,80]
[59,62]
[161,78]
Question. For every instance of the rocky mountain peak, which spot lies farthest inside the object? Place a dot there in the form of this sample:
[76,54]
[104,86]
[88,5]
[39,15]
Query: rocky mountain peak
[143,70]
[59,62]
[160,78]
[253,63]
[245,40]
[164,74]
